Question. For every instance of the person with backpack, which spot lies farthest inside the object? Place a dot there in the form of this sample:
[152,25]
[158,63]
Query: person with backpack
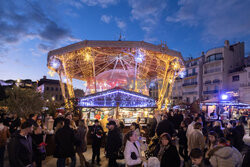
[4,135]
[81,146]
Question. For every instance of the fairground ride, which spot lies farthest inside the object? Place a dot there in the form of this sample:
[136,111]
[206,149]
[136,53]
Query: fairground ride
[104,65]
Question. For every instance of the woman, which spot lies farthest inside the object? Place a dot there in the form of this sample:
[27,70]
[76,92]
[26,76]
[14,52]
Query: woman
[168,155]
[212,142]
[217,129]
[183,141]
[81,147]
[132,152]
[135,127]
[38,145]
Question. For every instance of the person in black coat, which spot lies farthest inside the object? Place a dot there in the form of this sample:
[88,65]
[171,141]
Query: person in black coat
[114,143]
[64,140]
[183,141]
[165,126]
[168,155]
[96,135]
[20,147]
[15,123]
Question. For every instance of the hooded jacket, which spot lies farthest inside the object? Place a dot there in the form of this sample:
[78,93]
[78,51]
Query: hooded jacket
[129,148]
[225,157]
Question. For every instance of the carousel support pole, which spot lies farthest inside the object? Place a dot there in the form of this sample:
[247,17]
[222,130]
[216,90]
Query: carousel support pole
[63,89]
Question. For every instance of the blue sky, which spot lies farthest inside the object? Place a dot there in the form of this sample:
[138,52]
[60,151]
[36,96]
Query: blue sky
[29,29]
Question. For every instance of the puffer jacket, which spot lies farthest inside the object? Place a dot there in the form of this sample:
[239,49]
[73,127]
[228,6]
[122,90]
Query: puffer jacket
[129,148]
[226,157]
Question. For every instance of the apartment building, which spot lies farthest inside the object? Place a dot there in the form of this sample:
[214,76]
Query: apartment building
[218,65]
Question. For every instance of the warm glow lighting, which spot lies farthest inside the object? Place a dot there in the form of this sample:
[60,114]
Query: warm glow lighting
[224,97]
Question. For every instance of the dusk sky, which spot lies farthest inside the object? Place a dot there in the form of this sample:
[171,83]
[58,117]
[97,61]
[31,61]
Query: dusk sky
[29,29]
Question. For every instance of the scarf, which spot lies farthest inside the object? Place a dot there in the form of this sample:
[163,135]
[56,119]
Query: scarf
[161,152]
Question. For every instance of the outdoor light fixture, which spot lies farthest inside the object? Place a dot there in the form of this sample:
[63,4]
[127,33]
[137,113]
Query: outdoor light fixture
[55,63]
[224,97]
[182,74]
[139,57]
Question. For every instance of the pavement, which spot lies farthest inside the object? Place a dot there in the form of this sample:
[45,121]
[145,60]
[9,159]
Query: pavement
[50,161]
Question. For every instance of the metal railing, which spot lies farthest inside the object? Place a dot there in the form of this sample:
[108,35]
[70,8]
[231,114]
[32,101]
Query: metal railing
[210,91]
[188,84]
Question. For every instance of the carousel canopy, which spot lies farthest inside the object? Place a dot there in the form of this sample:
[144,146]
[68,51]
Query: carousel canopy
[115,97]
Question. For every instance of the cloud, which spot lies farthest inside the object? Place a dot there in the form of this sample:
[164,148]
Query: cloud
[106,18]
[25,20]
[219,19]
[102,3]
[148,13]
[120,24]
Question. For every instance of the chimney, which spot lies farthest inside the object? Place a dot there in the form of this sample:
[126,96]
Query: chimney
[44,77]
[226,44]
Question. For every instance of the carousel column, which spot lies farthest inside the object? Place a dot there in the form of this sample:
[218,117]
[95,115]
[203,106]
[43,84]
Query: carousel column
[170,85]
[62,85]
[163,87]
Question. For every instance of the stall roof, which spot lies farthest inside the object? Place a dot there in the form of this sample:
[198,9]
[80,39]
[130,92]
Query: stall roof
[117,96]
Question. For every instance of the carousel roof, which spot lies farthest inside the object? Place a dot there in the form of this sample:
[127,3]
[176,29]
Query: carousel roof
[117,96]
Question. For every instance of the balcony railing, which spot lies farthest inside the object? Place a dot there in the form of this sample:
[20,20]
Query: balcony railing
[212,70]
[192,74]
[210,91]
[216,81]
[190,93]
[208,61]
[245,84]
[207,82]
[188,84]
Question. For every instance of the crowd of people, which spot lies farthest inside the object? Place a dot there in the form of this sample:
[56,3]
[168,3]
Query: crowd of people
[171,139]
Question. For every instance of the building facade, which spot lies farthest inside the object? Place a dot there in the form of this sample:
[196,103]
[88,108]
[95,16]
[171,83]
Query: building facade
[216,72]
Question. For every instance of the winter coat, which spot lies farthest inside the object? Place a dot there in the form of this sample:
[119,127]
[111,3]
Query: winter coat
[165,126]
[96,133]
[4,135]
[129,148]
[81,135]
[196,140]
[20,151]
[114,142]
[64,140]
[190,129]
[152,126]
[226,157]
[219,132]
[182,137]
[170,157]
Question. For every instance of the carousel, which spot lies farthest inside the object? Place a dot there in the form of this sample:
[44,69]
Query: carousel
[105,66]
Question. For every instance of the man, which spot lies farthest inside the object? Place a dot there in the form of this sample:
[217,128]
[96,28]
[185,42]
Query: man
[191,126]
[64,140]
[20,147]
[114,142]
[165,126]
[224,155]
[96,135]
[196,159]
[153,123]
[196,138]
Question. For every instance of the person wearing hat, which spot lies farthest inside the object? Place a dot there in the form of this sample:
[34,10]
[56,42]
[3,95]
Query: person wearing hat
[96,135]
[114,142]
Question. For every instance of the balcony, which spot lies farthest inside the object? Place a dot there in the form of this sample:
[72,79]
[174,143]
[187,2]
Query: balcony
[208,61]
[190,93]
[212,70]
[192,74]
[188,84]
[245,84]
[210,91]
[216,81]
[207,82]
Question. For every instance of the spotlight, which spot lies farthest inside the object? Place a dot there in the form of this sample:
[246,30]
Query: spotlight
[55,63]
[139,57]
[224,97]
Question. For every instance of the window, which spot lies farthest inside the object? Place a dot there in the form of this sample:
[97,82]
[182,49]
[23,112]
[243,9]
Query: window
[47,88]
[52,88]
[60,97]
[248,74]
[235,78]
[193,70]
[194,99]
[56,97]
[216,87]
[187,99]
[56,89]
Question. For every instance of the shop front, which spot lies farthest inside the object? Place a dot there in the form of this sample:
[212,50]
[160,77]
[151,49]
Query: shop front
[117,103]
